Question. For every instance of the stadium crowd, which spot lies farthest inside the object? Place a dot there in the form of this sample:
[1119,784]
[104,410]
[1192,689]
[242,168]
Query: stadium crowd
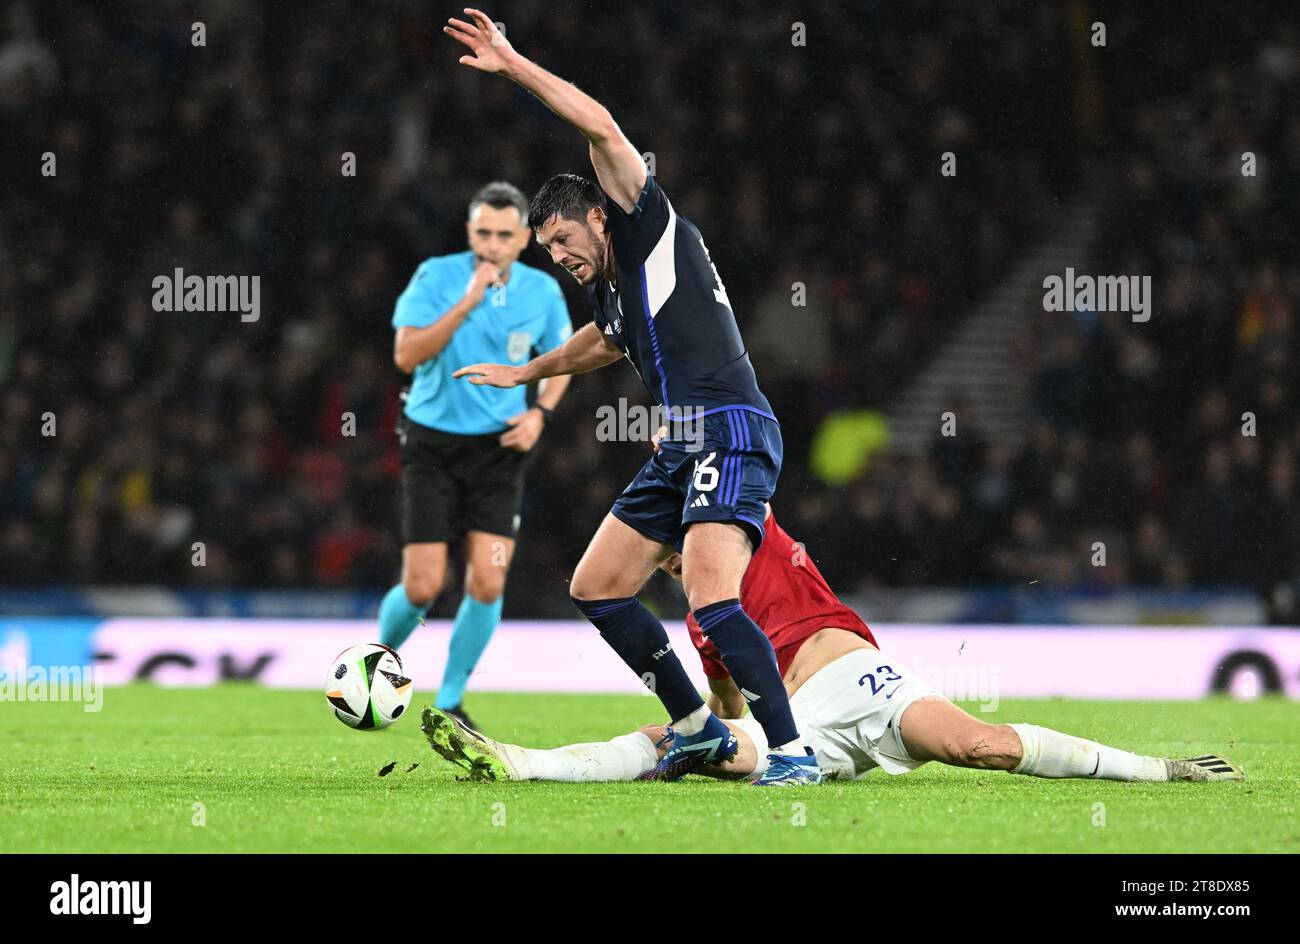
[176,428]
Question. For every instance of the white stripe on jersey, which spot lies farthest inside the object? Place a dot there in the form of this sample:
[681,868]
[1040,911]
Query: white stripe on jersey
[660,269]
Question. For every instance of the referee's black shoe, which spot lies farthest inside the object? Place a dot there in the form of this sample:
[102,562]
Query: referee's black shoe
[459,714]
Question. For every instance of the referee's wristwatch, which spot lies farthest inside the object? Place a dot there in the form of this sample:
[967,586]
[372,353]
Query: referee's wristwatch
[546,411]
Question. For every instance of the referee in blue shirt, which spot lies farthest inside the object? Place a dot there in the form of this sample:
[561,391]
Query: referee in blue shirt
[465,447]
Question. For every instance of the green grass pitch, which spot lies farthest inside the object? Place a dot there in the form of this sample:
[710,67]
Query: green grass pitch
[273,771]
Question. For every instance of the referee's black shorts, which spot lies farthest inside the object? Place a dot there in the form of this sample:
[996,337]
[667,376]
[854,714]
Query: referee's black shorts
[452,484]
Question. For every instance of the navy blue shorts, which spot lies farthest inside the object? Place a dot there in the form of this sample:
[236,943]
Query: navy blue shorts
[723,467]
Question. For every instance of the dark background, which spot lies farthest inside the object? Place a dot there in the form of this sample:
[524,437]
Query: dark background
[817,164]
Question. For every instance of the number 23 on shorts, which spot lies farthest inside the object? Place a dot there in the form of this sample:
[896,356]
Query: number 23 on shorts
[888,675]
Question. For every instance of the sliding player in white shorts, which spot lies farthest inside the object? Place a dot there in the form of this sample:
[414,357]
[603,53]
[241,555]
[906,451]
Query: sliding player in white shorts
[859,708]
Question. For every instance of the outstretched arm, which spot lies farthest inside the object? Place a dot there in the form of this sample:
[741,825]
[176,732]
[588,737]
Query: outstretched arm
[586,350]
[619,167]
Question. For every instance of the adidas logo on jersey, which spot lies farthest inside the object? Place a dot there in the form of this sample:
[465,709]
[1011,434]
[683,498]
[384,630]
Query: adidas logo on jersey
[701,502]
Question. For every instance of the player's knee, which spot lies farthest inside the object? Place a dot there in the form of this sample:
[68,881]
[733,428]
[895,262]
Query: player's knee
[588,586]
[486,588]
[579,590]
[699,597]
[421,588]
[704,585]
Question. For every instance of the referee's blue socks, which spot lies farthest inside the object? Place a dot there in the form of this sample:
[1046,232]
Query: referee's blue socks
[748,656]
[475,623]
[398,617]
[641,641]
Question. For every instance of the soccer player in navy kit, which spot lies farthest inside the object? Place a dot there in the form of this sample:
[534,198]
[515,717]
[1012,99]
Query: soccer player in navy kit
[658,300]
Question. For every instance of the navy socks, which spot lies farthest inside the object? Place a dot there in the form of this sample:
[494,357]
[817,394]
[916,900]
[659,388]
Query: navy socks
[748,656]
[640,640]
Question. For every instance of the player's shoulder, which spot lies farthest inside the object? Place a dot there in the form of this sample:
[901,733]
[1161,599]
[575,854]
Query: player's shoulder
[651,203]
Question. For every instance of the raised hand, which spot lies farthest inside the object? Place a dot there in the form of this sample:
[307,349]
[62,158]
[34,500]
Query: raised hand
[485,276]
[492,52]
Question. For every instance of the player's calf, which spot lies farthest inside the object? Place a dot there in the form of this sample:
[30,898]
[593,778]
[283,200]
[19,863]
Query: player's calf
[994,748]
[985,747]
[934,729]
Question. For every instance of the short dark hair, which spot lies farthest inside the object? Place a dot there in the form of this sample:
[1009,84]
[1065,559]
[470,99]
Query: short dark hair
[500,195]
[567,195]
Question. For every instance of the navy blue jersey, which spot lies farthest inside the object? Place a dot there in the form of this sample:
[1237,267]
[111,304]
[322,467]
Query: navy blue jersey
[669,312]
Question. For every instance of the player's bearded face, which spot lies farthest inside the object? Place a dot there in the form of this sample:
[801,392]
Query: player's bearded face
[599,253]
[577,246]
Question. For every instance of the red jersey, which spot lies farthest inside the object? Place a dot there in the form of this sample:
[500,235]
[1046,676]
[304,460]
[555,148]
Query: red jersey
[786,595]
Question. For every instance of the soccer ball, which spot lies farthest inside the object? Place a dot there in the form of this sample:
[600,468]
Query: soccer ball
[367,687]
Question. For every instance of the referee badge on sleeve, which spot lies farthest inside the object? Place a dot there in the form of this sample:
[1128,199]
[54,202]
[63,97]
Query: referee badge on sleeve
[518,345]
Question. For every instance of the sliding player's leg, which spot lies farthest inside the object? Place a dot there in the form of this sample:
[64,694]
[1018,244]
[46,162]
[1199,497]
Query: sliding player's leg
[626,757]
[936,729]
[616,564]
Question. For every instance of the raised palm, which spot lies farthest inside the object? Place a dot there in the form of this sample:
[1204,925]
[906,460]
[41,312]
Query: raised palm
[491,50]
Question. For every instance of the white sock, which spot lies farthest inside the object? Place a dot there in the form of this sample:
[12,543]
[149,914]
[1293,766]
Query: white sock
[694,722]
[795,748]
[1048,753]
[623,758]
